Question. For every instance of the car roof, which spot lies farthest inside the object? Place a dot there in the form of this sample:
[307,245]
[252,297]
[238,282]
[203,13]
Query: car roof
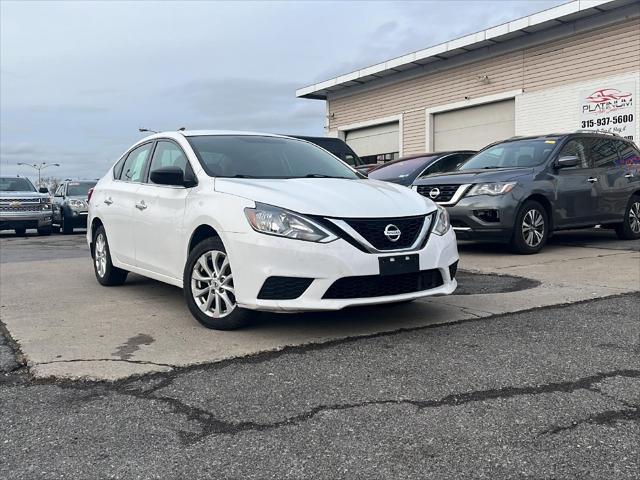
[556,136]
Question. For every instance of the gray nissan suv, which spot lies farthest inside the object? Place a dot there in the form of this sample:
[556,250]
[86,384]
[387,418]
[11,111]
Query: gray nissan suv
[520,190]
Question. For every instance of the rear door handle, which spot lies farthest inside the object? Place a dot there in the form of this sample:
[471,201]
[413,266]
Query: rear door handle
[592,180]
[141,205]
[629,175]
[108,201]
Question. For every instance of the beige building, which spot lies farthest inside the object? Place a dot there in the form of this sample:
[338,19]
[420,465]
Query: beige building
[575,66]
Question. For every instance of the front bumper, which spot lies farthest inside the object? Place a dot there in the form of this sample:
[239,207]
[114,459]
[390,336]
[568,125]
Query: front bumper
[11,220]
[255,257]
[484,217]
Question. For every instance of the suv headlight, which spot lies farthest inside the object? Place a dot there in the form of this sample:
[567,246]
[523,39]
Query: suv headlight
[45,200]
[74,203]
[491,188]
[442,221]
[283,223]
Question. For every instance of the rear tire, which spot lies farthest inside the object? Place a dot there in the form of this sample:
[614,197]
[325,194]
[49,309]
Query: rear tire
[106,273]
[629,229]
[209,289]
[531,229]
[20,232]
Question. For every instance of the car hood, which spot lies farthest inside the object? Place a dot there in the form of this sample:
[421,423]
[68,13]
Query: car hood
[25,195]
[475,176]
[330,197]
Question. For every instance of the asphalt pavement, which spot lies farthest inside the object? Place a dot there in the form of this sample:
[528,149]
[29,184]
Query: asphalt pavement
[548,393]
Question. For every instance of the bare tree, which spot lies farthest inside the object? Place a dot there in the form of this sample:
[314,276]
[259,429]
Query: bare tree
[52,183]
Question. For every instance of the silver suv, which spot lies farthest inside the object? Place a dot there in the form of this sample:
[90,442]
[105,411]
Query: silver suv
[22,206]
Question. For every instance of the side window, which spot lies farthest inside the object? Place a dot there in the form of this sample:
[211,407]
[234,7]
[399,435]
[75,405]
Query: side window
[117,168]
[451,162]
[628,154]
[350,159]
[168,154]
[604,152]
[133,168]
[576,147]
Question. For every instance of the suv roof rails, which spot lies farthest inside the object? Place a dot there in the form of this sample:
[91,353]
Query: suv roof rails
[602,132]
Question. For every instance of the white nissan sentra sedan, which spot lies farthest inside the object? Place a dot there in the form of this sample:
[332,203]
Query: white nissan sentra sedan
[246,221]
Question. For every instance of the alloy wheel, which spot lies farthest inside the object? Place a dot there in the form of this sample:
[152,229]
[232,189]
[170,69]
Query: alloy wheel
[533,228]
[100,255]
[634,217]
[212,284]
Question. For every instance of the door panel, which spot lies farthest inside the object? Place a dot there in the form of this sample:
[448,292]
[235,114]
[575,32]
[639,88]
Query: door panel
[576,196]
[612,184]
[118,204]
[159,229]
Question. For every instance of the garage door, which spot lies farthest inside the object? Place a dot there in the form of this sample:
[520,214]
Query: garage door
[375,141]
[474,127]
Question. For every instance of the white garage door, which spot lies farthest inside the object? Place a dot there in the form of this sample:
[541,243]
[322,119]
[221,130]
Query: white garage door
[376,140]
[474,127]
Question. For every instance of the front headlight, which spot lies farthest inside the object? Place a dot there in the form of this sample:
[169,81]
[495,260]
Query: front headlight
[45,200]
[74,203]
[491,188]
[283,223]
[442,221]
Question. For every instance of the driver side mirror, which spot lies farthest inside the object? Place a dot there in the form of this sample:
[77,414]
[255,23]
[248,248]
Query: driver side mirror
[43,190]
[168,176]
[567,161]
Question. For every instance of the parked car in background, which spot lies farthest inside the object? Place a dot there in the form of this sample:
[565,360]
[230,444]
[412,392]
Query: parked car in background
[23,207]
[338,147]
[70,205]
[407,169]
[246,222]
[521,190]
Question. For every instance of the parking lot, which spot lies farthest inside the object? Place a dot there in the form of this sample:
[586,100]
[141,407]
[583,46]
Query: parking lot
[527,371]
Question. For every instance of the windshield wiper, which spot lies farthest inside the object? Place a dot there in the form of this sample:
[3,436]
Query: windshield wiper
[241,176]
[320,175]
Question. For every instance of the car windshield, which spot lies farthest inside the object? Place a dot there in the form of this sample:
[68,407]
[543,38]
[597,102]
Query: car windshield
[400,169]
[79,189]
[518,153]
[16,185]
[253,156]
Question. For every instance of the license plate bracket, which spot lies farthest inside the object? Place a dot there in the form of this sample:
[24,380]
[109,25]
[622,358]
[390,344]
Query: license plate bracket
[399,264]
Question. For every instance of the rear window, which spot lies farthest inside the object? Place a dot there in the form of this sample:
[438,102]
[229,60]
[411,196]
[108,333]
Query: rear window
[400,169]
[16,185]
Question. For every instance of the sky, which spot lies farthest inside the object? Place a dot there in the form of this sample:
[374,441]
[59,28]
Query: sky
[77,79]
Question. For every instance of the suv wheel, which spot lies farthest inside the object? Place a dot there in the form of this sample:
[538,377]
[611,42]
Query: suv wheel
[45,231]
[106,273]
[209,289]
[629,229]
[531,229]
[21,231]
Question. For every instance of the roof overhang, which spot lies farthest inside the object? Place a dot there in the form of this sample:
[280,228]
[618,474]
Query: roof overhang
[470,47]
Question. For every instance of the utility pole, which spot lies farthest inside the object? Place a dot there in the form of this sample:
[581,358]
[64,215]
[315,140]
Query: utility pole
[39,167]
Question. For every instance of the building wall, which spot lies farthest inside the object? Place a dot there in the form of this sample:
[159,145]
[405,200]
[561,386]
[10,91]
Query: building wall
[607,52]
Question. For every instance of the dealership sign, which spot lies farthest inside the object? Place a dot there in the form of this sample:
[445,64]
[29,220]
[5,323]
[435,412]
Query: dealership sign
[610,108]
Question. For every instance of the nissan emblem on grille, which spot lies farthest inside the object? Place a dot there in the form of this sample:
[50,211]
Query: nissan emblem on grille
[434,192]
[392,232]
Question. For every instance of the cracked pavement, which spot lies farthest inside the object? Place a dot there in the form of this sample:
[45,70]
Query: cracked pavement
[547,393]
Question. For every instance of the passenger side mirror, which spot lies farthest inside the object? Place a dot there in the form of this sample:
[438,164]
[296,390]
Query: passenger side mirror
[43,190]
[168,176]
[567,161]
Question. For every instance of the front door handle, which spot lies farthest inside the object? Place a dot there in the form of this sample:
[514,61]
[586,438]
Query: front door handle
[629,175]
[592,180]
[108,201]
[141,205]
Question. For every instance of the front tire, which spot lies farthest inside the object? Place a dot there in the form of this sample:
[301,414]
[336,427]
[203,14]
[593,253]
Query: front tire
[45,231]
[65,225]
[629,229]
[209,289]
[531,229]
[20,232]
[106,273]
